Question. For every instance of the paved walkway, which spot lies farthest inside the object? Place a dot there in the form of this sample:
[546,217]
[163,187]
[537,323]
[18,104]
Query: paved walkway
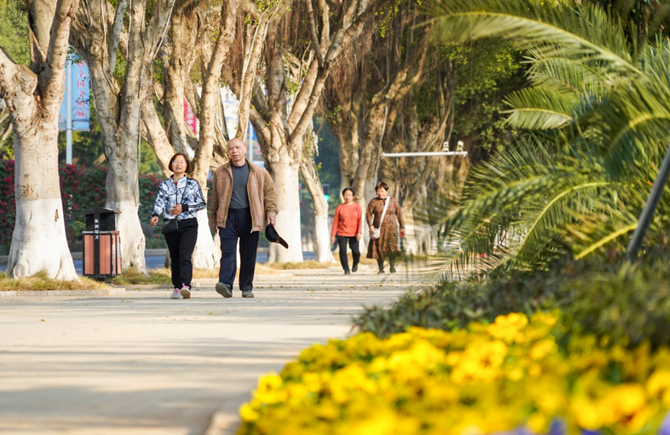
[145,364]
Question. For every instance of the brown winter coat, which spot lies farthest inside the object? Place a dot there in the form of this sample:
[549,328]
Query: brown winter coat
[261,191]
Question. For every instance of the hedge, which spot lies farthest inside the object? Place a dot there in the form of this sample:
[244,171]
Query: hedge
[82,188]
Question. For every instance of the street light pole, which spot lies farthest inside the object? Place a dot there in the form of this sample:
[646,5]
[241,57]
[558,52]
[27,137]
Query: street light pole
[650,207]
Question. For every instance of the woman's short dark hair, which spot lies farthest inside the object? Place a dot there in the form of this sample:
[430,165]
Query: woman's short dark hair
[348,189]
[380,185]
[188,163]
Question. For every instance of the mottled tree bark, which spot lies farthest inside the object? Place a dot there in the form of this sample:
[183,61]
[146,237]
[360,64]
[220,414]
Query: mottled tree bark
[33,98]
[119,107]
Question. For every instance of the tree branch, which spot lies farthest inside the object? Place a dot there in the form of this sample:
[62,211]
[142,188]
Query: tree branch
[211,89]
[51,78]
[341,40]
[116,33]
[249,73]
[313,34]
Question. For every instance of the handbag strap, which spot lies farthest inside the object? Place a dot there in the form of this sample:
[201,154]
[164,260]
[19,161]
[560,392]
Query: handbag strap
[386,204]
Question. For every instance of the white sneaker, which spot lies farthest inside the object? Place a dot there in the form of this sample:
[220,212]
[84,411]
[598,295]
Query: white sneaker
[176,294]
[185,292]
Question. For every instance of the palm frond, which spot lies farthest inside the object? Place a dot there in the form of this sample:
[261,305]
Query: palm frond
[539,109]
[584,33]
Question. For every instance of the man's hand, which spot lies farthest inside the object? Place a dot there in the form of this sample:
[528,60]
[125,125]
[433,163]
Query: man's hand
[154,221]
[272,219]
[332,240]
[358,237]
[176,210]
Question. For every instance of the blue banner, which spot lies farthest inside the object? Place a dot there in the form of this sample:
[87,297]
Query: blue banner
[78,91]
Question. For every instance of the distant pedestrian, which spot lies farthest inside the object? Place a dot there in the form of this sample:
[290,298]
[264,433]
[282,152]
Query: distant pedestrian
[243,196]
[383,216]
[348,228]
[179,199]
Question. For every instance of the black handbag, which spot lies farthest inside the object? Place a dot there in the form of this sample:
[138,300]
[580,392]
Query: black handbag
[172,225]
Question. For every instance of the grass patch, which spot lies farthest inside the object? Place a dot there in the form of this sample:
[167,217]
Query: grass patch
[134,277]
[41,282]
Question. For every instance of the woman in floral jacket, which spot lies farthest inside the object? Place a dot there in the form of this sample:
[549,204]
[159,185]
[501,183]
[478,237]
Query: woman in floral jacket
[387,242]
[179,198]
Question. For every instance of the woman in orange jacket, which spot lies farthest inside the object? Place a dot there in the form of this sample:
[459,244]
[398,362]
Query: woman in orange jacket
[348,228]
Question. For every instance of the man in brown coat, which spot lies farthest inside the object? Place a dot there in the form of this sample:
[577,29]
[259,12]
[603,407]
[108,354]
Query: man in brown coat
[243,196]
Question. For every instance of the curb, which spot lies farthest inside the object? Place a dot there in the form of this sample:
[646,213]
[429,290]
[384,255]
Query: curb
[106,292]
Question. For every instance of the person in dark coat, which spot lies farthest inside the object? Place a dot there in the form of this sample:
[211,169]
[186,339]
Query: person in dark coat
[384,236]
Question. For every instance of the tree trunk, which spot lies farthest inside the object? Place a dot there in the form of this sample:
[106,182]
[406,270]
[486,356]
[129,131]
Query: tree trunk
[123,195]
[183,37]
[285,173]
[119,108]
[39,242]
[322,251]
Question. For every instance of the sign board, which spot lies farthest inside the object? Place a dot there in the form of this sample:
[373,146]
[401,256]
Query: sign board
[78,92]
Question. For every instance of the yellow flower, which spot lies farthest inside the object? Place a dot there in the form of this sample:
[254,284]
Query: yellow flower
[544,318]
[585,413]
[247,413]
[658,382]
[507,328]
[625,405]
[269,389]
[538,423]
[480,361]
[542,348]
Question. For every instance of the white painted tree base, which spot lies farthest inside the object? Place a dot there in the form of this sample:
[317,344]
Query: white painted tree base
[131,234]
[204,255]
[39,242]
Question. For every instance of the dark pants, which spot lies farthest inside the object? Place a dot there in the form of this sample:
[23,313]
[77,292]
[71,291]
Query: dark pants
[181,244]
[353,244]
[238,226]
[391,256]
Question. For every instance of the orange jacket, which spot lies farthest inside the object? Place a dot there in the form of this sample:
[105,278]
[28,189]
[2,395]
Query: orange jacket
[348,220]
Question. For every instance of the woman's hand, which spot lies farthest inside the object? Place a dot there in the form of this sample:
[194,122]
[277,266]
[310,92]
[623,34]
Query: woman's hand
[358,237]
[402,233]
[176,210]
[332,240]
[154,221]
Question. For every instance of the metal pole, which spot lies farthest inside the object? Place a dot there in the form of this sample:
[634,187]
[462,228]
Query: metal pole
[250,142]
[650,207]
[68,97]
[437,153]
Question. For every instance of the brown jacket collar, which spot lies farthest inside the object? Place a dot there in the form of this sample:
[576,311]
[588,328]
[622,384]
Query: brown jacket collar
[252,167]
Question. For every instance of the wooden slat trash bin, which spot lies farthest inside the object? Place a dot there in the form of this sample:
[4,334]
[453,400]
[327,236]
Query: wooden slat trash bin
[102,245]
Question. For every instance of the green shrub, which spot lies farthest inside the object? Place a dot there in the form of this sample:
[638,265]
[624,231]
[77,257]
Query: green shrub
[628,304]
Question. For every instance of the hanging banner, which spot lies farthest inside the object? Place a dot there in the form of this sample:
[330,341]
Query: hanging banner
[190,118]
[78,90]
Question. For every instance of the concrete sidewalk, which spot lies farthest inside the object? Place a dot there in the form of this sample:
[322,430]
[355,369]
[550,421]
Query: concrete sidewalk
[145,364]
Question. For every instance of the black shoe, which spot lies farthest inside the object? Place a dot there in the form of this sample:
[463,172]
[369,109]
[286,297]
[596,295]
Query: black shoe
[247,294]
[381,272]
[354,268]
[225,290]
[346,272]
[392,269]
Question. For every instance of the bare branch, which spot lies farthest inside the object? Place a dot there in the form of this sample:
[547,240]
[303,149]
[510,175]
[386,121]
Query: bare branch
[211,92]
[340,41]
[312,32]
[51,78]
[249,73]
[116,33]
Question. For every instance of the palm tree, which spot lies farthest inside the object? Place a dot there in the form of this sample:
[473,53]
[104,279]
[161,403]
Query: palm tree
[598,105]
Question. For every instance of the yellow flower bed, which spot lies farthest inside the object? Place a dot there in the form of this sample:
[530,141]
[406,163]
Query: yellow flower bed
[509,375]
